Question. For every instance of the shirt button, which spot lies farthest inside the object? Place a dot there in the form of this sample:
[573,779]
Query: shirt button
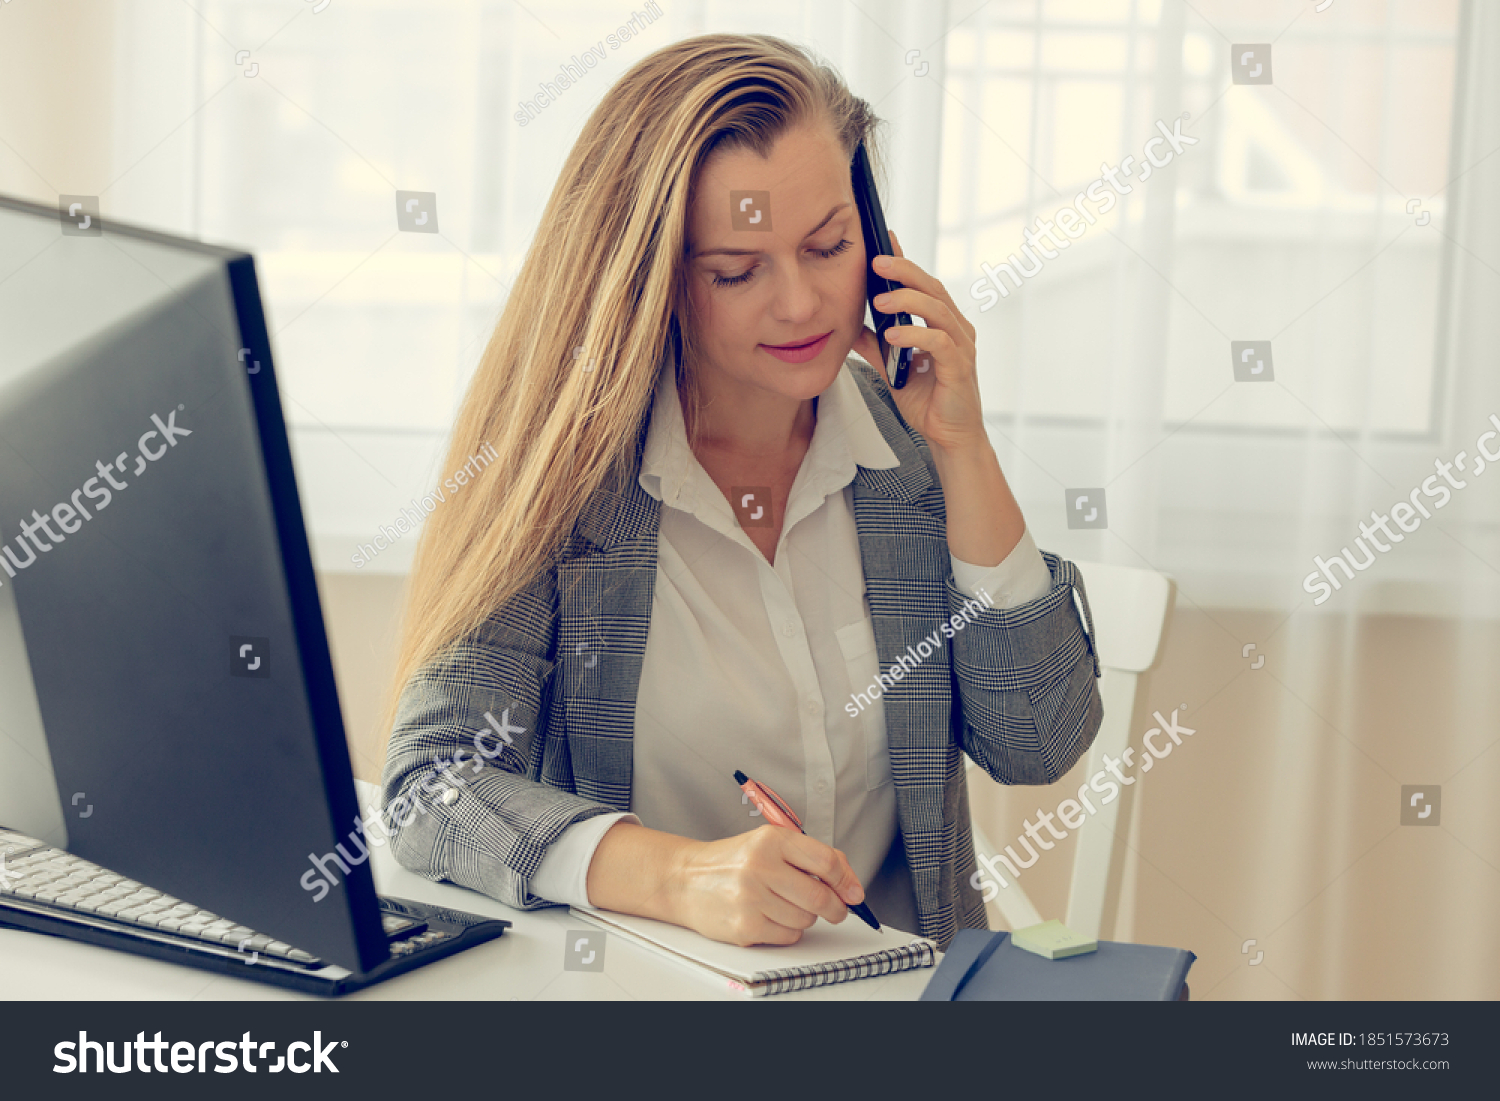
[789,630]
[812,707]
[449,797]
[821,786]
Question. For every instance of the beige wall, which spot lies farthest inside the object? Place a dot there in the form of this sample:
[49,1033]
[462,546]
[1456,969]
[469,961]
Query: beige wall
[362,614]
[60,141]
[1277,820]
[68,132]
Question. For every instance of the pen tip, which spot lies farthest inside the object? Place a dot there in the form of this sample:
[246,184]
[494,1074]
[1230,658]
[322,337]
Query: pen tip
[740,777]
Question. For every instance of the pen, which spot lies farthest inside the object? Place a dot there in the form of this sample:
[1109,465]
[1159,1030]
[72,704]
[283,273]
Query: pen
[778,813]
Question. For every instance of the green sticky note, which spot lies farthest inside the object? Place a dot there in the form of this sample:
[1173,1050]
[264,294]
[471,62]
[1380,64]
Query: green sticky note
[1053,940]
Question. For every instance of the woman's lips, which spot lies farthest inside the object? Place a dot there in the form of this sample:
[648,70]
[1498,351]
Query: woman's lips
[798,353]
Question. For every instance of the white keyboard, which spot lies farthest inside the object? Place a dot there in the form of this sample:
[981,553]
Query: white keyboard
[34,872]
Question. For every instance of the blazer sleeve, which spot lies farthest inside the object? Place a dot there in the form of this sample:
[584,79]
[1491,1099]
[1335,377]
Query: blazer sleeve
[482,819]
[1027,680]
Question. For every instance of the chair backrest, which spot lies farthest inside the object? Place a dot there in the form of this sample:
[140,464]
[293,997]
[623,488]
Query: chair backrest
[1129,608]
[1134,603]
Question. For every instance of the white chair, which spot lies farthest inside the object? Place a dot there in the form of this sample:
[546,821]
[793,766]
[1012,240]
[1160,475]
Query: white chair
[1129,609]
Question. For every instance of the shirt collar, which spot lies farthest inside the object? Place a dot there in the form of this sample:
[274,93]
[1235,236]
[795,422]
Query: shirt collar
[844,436]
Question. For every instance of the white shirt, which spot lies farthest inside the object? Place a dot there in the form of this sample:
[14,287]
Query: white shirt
[749,665]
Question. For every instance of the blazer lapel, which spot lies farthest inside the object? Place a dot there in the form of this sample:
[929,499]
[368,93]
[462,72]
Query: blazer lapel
[605,586]
[903,542]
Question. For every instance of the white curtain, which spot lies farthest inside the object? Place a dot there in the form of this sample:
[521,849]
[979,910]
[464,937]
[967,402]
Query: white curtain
[376,332]
[1111,367]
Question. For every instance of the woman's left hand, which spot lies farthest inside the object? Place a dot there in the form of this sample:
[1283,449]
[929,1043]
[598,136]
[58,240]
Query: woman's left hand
[941,395]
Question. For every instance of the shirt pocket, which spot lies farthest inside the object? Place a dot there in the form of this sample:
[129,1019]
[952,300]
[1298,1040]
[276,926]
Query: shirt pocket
[857,642]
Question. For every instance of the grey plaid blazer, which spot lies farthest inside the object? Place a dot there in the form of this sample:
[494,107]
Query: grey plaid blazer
[1016,690]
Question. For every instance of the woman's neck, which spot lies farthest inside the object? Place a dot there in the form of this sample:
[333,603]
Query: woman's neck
[753,424]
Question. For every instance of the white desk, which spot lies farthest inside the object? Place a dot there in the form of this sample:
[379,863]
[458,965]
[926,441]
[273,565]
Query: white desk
[526,964]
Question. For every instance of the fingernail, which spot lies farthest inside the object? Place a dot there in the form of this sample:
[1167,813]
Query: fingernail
[882,263]
[881,300]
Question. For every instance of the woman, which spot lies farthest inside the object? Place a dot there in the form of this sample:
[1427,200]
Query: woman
[709,542]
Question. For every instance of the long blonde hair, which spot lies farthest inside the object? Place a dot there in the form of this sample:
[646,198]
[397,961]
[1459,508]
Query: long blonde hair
[606,275]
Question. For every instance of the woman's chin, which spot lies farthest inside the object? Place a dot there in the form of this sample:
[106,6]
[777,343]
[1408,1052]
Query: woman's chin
[808,380]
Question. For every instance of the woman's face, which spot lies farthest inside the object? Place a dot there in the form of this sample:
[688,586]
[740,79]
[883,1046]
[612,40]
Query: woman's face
[777,264]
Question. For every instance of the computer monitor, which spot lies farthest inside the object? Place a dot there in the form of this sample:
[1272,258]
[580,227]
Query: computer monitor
[167,700]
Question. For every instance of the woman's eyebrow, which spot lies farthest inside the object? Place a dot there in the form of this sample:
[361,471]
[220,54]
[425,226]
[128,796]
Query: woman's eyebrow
[755,251]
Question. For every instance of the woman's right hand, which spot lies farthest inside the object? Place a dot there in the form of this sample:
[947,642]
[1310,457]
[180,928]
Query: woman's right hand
[753,888]
[758,887]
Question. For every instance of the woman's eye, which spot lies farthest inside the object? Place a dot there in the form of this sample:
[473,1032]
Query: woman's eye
[736,280]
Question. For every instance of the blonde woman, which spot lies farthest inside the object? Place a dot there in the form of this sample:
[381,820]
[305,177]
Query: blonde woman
[711,541]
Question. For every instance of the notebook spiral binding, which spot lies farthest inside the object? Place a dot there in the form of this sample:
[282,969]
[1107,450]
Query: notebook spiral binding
[919,953]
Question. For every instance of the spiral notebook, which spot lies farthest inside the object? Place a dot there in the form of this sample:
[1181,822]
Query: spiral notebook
[825,954]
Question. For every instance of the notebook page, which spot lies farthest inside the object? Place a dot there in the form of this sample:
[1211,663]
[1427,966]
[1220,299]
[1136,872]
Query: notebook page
[820,943]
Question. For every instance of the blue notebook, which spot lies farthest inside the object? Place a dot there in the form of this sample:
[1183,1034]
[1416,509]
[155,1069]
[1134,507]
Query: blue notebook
[981,966]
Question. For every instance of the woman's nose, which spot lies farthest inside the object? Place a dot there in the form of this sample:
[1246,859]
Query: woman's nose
[796,298]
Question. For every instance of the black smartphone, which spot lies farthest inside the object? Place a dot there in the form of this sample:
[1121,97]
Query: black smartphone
[878,243]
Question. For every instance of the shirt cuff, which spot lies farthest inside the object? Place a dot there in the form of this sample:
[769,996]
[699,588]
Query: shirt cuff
[1019,579]
[563,874]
